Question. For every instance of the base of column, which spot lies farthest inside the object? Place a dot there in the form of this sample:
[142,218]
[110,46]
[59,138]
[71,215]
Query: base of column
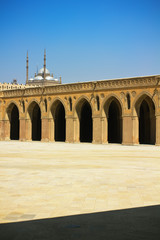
[45,140]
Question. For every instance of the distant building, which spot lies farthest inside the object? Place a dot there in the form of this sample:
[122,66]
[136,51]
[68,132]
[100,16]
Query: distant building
[123,111]
[43,77]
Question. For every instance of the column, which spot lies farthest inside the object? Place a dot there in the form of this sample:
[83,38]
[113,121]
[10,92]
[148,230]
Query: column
[6,125]
[104,124]
[76,131]
[127,130]
[28,130]
[97,129]
[44,130]
[51,129]
[22,129]
[1,130]
[135,130]
[69,129]
[158,130]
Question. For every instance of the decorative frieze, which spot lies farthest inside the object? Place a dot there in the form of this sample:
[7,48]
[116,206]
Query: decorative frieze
[85,87]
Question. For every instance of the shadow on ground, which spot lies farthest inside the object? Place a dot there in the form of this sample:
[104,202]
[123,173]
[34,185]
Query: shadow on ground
[136,223]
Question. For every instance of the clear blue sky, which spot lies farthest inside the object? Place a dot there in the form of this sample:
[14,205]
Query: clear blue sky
[84,40]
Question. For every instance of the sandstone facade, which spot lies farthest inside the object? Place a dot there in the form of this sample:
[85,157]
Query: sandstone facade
[123,111]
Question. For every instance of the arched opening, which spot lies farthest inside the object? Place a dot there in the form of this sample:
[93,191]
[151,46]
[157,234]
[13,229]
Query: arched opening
[114,123]
[45,104]
[128,101]
[70,104]
[85,117]
[98,105]
[60,122]
[147,122]
[35,116]
[13,114]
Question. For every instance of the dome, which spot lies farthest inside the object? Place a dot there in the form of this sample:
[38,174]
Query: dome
[49,78]
[38,78]
[41,71]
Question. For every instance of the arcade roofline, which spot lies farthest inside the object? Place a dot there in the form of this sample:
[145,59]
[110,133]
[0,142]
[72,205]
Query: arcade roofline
[90,86]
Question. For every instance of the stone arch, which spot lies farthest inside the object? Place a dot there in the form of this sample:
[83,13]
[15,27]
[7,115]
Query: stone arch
[112,120]
[109,99]
[58,123]
[12,113]
[128,99]
[29,106]
[34,114]
[144,127]
[140,97]
[83,120]
[83,97]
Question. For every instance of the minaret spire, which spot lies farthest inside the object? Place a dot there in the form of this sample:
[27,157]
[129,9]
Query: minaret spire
[27,69]
[44,64]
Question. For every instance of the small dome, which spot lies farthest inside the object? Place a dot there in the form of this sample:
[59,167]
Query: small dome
[38,78]
[49,78]
[41,71]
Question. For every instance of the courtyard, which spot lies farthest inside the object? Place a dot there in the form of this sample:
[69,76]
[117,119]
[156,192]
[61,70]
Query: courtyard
[42,180]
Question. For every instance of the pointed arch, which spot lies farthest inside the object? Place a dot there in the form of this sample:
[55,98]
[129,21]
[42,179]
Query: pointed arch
[144,112]
[34,113]
[13,117]
[84,123]
[113,120]
[58,113]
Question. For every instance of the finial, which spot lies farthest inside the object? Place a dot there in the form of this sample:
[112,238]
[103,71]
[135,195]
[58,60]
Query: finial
[27,68]
[44,64]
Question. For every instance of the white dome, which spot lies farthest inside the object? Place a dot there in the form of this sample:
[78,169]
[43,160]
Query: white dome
[38,78]
[49,78]
[41,71]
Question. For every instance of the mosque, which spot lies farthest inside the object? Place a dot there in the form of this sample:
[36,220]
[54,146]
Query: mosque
[124,111]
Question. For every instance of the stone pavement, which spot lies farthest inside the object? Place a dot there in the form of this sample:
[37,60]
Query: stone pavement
[49,180]
[42,180]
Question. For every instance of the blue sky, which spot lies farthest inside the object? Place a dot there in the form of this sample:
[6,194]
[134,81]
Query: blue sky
[84,40]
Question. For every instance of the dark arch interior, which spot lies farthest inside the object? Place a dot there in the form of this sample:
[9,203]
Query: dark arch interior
[14,123]
[114,124]
[128,101]
[144,124]
[60,123]
[86,123]
[36,123]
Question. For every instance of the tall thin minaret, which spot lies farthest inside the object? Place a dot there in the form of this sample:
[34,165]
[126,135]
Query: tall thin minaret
[44,64]
[27,69]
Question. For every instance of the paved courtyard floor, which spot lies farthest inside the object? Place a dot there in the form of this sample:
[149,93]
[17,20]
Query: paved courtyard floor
[49,180]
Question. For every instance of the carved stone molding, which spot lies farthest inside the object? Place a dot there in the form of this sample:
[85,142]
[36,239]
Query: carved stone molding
[85,87]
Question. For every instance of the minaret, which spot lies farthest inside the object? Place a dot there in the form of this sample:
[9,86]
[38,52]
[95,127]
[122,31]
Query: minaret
[44,64]
[27,69]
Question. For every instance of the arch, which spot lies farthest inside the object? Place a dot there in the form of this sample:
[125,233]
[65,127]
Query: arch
[98,103]
[58,113]
[29,107]
[113,120]
[79,102]
[83,112]
[144,112]
[70,104]
[34,112]
[128,100]
[108,99]
[23,106]
[13,116]
[139,98]
[45,104]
